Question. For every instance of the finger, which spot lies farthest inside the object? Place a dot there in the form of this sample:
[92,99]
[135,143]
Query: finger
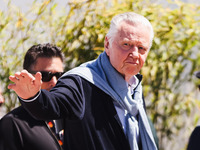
[11,86]
[38,78]
[13,78]
[18,75]
[25,72]
[26,75]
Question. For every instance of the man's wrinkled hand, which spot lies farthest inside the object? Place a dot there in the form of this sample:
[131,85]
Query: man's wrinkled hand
[25,84]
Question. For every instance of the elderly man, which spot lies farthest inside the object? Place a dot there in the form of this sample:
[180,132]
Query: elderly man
[101,100]
[19,130]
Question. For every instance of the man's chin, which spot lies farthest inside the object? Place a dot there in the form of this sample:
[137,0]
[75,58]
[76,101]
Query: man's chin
[134,72]
[133,69]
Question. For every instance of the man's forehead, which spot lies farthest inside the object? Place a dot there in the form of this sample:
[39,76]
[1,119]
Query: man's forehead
[48,63]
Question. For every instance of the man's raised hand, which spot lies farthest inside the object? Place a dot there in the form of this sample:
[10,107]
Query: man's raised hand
[25,84]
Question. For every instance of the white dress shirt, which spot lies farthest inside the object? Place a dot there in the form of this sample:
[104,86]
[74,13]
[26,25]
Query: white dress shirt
[133,82]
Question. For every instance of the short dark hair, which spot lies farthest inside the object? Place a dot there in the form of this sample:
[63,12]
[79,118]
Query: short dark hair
[41,50]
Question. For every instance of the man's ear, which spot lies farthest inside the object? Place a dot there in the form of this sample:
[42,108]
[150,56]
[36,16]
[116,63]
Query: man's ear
[106,45]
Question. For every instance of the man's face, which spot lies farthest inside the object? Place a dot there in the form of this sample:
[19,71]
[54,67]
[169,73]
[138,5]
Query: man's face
[50,65]
[129,49]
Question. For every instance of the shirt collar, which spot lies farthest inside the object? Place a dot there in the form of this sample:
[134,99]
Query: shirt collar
[132,83]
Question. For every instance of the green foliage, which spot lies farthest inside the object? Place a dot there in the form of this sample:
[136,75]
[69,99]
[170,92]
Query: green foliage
[170,66]
[79,29]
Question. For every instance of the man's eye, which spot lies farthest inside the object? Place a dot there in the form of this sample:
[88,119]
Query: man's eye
[126,44]
[141,48]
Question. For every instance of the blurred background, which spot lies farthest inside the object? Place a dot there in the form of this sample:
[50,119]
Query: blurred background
[79,27]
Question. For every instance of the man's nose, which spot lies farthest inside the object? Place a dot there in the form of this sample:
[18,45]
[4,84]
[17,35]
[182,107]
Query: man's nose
[134,52]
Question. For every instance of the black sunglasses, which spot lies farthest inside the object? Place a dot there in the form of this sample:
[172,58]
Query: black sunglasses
[47,76]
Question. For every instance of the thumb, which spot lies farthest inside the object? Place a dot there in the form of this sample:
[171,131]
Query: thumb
[38,78]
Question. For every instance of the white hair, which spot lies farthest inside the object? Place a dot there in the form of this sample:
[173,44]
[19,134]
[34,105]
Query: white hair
[130,17]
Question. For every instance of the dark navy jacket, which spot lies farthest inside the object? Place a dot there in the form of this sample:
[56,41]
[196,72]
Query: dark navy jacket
[91,121]
[194,141]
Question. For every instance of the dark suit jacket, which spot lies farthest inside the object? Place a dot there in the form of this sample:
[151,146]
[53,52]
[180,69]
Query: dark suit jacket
[194,141]
[20,131]
[91,121]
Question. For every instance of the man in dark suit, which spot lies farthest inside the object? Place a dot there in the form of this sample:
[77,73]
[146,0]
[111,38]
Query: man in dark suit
[18,129]
[101,100]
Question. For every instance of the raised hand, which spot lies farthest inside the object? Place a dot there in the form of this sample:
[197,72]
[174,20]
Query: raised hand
[25,84]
